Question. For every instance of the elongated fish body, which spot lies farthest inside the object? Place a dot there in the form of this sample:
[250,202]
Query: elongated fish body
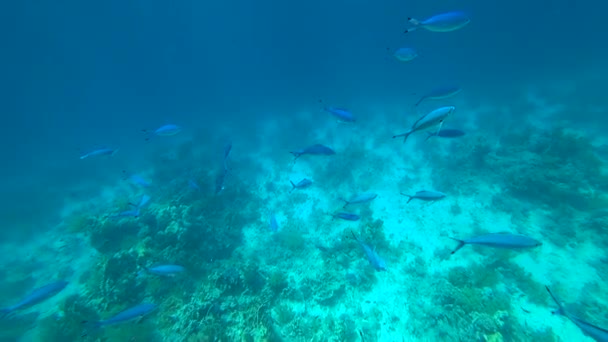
[439,94]
[347,216]
[100,152]
[426,195]
[166,270]
[499,240]
[37,296]
[444,22]
[167,130]
[405,54]
[434,118]
[138,180]
[341,114]
[593,331]
[303,184]
[145,199]
[360,198]
[135,312]
[274,225]
[316,149]
[374,259]
[127,213]
[446,133]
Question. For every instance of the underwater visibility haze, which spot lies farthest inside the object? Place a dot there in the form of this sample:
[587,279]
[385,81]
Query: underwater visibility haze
[304,171]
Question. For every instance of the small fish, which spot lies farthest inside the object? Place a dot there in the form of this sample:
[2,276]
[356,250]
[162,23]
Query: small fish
[444,22]
[588,329]
[499,240]
[303,184]
[192,184]
[133,313]
[37,296]
[166,270]
[439,94]
[142,203]
[341,114]
[220,179]
[426,195]
[347,216]
[434,118]
[405,54]
[126,213]
[138,180]
[446,133]
[274,225]
[360,198]
[100,152]
[164,131]
[316,149]
[374,259]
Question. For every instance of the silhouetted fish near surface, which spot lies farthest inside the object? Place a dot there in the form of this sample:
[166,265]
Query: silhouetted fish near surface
[446,133]
[316,149]
[303,184]
[425,195]
[274,225]
[37,296]
[434,118]
[444,22]
[499,240]
[165,270]
[341,114]
[346,216]
[359,198]
[100,152]
[439,94]
[590,330]
[128,315]
[374,259]
[405,54]
[164,131]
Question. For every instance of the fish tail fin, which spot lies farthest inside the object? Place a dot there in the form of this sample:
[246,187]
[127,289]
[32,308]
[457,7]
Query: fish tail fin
[404,135]
[414,22]
[296,156]
[293,186]
[461,244]
[560,308]
[430,134]
[410,197]
[419,102]
[346,203]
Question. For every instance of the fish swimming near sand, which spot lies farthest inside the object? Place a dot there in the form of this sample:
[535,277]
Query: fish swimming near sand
[434,118]
[303,184]
[342,114]
[588,329]
[346,216]
[359,198]
[439,94]
[109,152]
[374,259]
[426,195]
[316,149]
[128,315]
[446,133]
[444,22]
[37,296]
[163,131]
[499,240]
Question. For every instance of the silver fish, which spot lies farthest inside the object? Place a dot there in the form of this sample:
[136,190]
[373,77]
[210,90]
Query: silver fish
[425,195]
[439,94]
[499,240]
[360,198]
[37,296]
[444,22]
[133,313]
[405,54]
[434,118]
[100,152]
[374,259]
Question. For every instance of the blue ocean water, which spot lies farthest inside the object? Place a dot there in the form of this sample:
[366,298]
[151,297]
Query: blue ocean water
[528,159]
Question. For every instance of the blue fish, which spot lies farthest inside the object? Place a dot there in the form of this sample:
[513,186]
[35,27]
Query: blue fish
[445,22]
[100,152]
[37,296]
[192,184]
[166,270]
[274,225]
[138,180]
[133,313]
[426,195]
[303,184]
[164,131]
[439,94]
[591,330]
[227,149]
[499,240]
[446,133]
[316,149]
[374,259]
[347,216]
[359,198]
[405,54]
